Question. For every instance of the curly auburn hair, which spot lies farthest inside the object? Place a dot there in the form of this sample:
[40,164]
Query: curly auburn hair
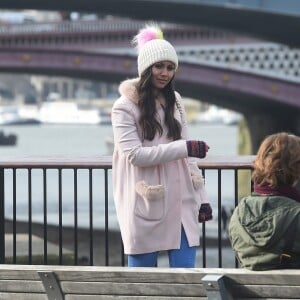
[148,121]
[278,160]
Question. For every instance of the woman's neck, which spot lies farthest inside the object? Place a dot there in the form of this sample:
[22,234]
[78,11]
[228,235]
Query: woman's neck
[159,97]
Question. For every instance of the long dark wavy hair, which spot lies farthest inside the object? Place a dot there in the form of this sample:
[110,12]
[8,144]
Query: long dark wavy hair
[147,105]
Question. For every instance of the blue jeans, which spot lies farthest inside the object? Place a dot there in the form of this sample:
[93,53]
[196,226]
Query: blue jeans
[184,257]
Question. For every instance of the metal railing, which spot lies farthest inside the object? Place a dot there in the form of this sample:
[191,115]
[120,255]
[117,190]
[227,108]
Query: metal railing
[60,210]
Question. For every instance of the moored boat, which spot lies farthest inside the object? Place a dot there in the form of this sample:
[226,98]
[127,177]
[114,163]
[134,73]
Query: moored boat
[64,112]
[7,139]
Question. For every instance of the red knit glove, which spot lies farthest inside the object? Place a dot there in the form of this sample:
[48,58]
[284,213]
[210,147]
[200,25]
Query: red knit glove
[197,148]
[205,213]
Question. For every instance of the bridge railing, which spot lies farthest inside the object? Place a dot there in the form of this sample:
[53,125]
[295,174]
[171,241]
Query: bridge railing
[104,34]
[60,210]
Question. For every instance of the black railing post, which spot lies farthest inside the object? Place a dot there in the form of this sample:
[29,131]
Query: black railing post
[2,217]
[106,216]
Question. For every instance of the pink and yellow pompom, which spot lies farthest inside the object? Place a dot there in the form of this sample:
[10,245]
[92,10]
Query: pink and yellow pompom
[149,33]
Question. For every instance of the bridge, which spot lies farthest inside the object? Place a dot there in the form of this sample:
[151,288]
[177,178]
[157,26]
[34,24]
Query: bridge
[258,79]
[274,20]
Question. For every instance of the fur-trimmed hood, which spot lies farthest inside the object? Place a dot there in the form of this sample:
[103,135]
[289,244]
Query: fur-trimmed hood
[128,89]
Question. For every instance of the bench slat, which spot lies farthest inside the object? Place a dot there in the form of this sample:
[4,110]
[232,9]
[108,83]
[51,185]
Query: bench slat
[19,274]
[138,277]
[109,274]
[268,298]
[265,278]
[21,286]
[147,289]
[22,296]
[264,291]
[141,297]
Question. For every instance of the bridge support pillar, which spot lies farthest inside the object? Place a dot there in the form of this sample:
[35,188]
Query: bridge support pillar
[262,124]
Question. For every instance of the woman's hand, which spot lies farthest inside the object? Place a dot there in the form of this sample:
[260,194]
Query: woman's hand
[197,148]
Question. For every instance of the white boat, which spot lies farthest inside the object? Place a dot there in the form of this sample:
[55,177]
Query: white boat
[216,115]
[63,112]
[231,118]
[18,115]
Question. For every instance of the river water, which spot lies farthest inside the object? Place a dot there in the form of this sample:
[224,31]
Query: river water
[86,140]
[89,140]
[54,140]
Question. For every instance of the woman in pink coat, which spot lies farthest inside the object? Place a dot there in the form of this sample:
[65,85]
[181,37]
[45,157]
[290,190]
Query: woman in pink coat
[158,190]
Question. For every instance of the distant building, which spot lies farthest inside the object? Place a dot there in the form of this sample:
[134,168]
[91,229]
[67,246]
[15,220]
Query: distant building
[27,16]
[18,90]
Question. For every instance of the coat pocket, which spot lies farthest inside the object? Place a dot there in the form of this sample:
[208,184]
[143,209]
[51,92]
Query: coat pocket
[151,204]
[198,181]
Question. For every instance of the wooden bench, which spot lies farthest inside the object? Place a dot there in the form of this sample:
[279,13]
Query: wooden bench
[90,283]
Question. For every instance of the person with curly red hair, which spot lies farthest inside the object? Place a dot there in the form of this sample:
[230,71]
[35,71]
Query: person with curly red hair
[265,227]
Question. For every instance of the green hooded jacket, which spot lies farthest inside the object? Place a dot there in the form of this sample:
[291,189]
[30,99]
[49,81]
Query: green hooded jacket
[265,232]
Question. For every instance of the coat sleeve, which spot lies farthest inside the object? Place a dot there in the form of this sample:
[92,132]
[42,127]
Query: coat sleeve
[193,161]
[196,173]
[127,139]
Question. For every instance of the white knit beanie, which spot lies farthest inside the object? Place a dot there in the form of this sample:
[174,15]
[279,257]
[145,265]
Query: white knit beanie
[153,48]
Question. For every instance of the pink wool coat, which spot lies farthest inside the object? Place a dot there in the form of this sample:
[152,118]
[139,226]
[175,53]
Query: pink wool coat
[157,189]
